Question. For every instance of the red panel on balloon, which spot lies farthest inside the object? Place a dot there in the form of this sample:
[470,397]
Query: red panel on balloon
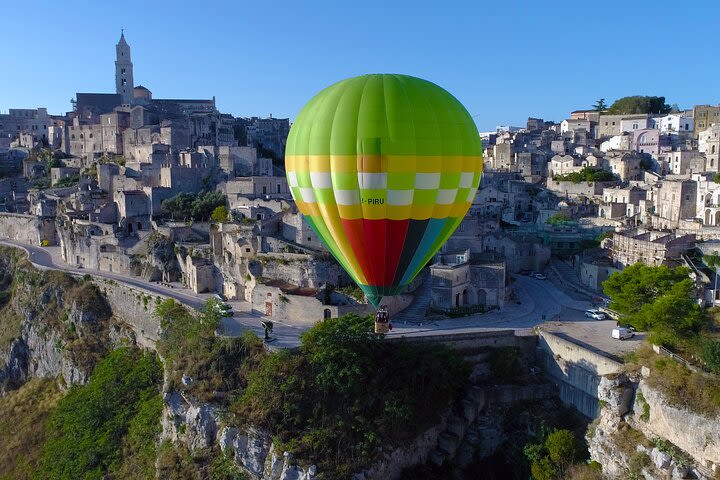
[377,245]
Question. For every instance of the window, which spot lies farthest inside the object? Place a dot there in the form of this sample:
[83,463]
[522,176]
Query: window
[309,239]
[247,250]
[122,70]
[91,135]
[278,188]
[123,82]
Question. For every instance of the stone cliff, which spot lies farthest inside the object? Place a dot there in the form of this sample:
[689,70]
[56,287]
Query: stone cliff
[640,434]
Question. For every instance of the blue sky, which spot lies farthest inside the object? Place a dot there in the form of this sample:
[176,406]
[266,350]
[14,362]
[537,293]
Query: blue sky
[504,60]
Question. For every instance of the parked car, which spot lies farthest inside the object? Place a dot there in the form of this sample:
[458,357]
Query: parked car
[622,333]
[228,313]
[595,314]
[540,276]
[220,297]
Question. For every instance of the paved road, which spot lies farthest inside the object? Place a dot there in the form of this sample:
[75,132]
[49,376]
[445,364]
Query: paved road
[285,335]
[540,301]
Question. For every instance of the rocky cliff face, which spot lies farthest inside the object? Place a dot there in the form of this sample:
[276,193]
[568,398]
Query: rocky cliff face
[60,326]
[201,426]
[640,435]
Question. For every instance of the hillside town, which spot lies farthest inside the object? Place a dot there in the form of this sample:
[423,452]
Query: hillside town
[167,311]
[173,190]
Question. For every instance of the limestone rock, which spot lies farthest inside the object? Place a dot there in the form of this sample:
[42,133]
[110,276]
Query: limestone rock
[660,459]
[201,426]
[252,450]
[616,391]
[226,439]
[15,370]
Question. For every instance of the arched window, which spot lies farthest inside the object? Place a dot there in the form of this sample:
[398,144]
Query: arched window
[327,313]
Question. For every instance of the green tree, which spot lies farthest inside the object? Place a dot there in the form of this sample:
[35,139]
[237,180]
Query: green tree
[600,105]
[220,214]
[659,299]
[587,174]
[560,218]
[560,446]
[639,104]
[716,178]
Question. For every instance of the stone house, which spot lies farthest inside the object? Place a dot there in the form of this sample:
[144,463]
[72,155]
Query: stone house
[646,140]
[133,210]
[199,274]
[564,164]
[649,247]
[459,281]
[573,124]
[58,173]
[676,200]
[521,252]
[709,144]
[503,158]
[681,162]
[704,116]
[625,165]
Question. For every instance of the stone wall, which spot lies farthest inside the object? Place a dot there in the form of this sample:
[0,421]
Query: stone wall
[587,189]
[298,309]
[27,228]
[135,306]
[575,370]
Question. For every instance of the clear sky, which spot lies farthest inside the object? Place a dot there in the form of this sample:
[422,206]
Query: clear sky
[504,60]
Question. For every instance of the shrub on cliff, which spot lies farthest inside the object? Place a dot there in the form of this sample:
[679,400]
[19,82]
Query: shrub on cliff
[210,364]
[346,393]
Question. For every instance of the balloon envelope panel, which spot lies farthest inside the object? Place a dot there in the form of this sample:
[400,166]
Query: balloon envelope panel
[384,167]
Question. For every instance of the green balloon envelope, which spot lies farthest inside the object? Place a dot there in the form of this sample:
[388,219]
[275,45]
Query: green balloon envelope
[384,167]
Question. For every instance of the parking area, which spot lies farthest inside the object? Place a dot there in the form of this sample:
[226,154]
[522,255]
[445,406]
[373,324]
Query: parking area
[592,334]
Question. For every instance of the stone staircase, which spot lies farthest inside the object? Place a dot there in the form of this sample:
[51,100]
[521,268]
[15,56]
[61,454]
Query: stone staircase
[564,275]
[415,312]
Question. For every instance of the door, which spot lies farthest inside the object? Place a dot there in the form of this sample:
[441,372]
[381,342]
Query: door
[268,309]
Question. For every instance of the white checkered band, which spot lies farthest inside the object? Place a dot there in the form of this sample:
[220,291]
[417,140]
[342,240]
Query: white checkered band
[466,179]
[372,181]
[471,195]
[308,195]
[400,197]
[427,181]
[321,179]
[347,197]
[292,179]
[446,197]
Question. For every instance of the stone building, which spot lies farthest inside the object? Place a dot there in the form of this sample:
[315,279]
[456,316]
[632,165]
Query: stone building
[704,116]
[625,165]
[676,200]
[520,252]
[460,282]
[709,144]
[123,71]
[32,121]
[199,274]
[649,247]
[133,210]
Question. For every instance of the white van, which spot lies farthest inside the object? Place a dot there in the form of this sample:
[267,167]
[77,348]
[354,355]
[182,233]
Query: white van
[622,333]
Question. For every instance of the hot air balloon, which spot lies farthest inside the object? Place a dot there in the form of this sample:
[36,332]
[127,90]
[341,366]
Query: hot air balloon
[384,167]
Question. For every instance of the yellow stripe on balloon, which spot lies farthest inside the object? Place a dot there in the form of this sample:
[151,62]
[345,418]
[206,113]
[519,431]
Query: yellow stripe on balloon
[333,223]
[386,163]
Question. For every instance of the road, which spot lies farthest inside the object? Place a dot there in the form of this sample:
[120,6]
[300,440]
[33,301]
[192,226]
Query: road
[284,335]
[540,302]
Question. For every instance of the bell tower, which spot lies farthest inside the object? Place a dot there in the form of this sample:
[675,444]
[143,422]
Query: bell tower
[123,70]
